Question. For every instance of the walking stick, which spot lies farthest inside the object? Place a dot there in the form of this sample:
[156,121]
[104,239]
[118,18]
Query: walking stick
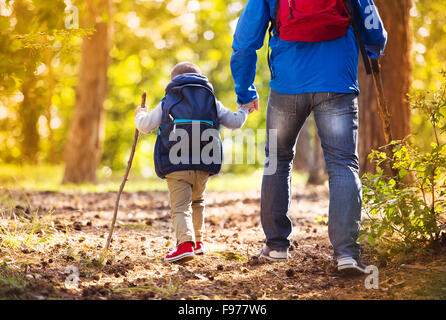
[384,112]
[375,69]
[129,166]
[382,104]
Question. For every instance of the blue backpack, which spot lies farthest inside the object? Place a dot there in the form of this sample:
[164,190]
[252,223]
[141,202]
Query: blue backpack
[189,108]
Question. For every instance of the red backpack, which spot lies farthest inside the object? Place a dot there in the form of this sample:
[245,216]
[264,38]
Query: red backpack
[315,21]
[311,20]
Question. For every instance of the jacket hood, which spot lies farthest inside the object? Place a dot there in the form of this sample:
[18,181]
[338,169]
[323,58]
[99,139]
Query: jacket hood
[189,78]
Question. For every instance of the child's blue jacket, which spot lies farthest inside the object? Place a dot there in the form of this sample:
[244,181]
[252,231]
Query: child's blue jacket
[303,67]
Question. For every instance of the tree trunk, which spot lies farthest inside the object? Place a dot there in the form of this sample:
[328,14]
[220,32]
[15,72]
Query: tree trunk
[29,112]
[396,73]
[84,147]
[30,108]
[48,114]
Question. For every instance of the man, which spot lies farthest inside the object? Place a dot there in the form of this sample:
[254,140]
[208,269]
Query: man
[316,74]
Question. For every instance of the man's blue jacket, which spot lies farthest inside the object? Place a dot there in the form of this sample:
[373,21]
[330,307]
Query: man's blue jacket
[303,67]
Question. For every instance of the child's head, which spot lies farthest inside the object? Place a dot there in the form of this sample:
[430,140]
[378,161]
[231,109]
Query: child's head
[184,67]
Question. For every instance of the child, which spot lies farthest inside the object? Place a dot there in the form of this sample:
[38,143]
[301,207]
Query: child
[189,102]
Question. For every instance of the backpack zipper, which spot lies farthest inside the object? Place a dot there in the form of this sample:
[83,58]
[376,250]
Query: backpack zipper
[190,121]
[291,10]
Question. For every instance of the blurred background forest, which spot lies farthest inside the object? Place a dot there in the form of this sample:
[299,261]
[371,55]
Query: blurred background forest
[68,92]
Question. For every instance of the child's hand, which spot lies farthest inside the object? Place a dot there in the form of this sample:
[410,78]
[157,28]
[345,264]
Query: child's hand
[140,109]
[250,109]
[252,106]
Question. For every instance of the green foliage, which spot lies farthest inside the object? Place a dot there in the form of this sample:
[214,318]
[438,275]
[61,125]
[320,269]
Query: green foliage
[409,210]
[150,38]
[429,33]
[39,59]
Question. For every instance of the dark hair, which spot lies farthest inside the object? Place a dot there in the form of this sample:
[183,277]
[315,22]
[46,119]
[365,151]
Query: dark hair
[184,67]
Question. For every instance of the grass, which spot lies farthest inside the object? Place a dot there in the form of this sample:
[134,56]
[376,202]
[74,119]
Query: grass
[10,278]
[171,287]
[136,226]
[21,232]
[227,255]
[7,200]
[48,178]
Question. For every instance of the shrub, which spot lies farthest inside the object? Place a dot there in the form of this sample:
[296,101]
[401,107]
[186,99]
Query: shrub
[407,210]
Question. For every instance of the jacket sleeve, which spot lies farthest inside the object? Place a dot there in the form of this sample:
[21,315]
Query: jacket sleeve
[147,122]
[229,119]
[370,26]
[248,37]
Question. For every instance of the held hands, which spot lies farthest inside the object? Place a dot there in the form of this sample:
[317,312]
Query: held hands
[252,106]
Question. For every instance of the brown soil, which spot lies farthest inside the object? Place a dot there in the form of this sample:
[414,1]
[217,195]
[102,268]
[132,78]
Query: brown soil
[230,270]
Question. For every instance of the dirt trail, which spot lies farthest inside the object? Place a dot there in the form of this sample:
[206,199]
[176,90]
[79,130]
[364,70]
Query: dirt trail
[78,228]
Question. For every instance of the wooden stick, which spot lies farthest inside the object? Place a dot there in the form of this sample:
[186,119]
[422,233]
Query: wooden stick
[382,103]
[374,69]
[384,112]
[129,166]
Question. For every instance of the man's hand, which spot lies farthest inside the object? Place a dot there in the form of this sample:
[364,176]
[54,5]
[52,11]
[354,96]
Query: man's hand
[255,106]
[140,109]
[252,106]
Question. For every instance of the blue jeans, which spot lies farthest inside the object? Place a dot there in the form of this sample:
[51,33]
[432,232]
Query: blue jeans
[336,116]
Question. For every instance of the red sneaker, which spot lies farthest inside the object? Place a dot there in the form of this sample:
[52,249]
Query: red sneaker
[199,248]
[184,252]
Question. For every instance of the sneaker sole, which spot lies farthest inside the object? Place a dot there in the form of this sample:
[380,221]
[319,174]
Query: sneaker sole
[187,256]
[350,270]
[272,259]
[199,251]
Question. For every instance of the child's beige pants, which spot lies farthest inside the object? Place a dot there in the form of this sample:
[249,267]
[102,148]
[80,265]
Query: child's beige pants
[186,194]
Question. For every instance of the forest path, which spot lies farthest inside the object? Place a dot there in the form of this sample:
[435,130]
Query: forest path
[79,226]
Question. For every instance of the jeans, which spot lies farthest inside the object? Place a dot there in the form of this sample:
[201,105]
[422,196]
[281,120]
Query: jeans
[336,116]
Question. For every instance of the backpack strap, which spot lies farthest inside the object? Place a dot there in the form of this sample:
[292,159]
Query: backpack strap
[272,26]
[365,57]
[270,35]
